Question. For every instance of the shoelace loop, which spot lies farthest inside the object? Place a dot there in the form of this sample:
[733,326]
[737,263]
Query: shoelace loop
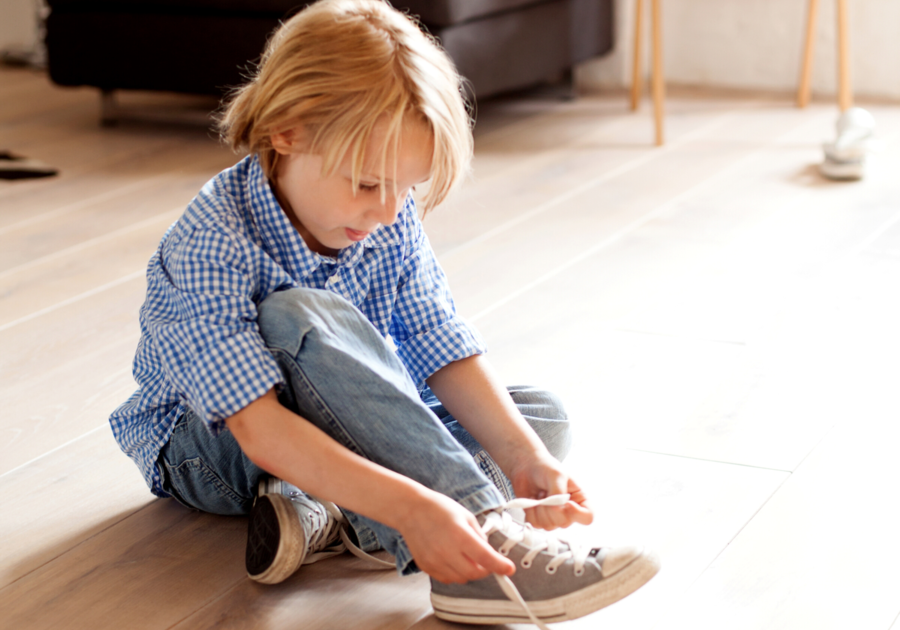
[348,544]
[536,542]
[498,520]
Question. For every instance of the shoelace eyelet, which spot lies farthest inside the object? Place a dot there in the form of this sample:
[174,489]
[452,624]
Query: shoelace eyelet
[526,564]
[579,572]
[550,570]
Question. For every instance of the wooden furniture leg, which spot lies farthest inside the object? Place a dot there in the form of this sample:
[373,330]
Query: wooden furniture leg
[636,74]
[109,109]
[845,91]
[659,88]
[806,72]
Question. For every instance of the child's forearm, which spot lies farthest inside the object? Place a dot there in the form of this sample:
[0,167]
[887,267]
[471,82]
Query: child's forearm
[479,402]
[476,399]
[292,448]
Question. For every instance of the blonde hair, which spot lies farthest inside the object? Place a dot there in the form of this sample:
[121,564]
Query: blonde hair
[339,67]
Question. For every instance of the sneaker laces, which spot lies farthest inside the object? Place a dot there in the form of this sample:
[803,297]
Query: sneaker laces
[324,540]
[498,520]
[328,536]
[347,544]
[536,541]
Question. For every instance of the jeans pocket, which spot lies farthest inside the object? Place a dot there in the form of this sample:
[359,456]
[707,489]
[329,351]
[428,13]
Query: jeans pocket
[196,485]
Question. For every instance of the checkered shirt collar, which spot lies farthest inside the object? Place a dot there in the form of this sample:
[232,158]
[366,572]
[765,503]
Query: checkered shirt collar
[285,245]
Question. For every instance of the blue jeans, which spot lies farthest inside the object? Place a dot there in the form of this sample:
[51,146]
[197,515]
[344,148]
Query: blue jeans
[343,377]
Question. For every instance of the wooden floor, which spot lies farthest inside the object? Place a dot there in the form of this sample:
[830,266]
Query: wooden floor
[721,322]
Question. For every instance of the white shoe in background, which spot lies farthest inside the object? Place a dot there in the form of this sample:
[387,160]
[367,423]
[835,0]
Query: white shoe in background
[845,158]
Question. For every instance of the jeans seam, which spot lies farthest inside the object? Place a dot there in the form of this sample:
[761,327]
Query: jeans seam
[197,463]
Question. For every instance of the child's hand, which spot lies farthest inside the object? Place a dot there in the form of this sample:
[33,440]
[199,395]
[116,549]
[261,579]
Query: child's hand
[541,476]
[447,543]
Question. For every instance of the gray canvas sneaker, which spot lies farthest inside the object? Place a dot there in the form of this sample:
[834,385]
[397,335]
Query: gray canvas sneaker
[554,580]
[287,529]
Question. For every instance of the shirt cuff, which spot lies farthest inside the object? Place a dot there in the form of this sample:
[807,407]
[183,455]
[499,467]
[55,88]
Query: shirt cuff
[229,376]
[429,351]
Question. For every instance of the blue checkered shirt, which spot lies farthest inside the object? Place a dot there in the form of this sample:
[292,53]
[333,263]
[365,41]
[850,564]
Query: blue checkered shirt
[200,346]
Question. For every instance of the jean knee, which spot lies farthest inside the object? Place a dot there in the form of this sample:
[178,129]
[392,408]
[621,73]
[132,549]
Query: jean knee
[545,413]
[285,317]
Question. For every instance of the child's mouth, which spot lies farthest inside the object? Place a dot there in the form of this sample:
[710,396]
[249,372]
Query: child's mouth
[355,235]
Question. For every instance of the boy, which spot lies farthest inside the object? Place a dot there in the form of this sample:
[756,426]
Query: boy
[300,347]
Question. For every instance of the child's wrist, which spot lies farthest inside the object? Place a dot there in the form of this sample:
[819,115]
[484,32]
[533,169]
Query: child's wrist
[515,458]
[403,502]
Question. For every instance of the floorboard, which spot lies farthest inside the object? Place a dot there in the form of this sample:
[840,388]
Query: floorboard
[821,552]
[66,497]
[719,320]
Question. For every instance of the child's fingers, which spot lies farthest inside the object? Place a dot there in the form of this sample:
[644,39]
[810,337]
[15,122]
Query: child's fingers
[561,516]
[580,513]
[476,562]
[486,557]
[465,554]
[548,517]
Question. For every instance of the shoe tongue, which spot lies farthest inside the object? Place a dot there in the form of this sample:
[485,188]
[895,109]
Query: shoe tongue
[496,516]
[525,534]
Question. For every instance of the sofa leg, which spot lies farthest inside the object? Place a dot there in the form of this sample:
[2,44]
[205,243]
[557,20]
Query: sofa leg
[565,85]
[108,108]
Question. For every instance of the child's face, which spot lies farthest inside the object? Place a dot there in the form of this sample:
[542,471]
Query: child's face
[324,209]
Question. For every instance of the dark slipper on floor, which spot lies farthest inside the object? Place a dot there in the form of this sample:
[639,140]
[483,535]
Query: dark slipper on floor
[17,167]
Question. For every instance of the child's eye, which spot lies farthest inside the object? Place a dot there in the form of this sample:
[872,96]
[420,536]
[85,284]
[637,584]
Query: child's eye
[368,187]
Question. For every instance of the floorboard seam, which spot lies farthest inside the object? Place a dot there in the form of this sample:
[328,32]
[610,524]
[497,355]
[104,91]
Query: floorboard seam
[208,603]
[643,220]
[711,461]
[77,298]
[75,546]
[591,183]
[894,623]
[90,242]
[72,207]
[731,540]
[53,450]
[828,273]
[674,335]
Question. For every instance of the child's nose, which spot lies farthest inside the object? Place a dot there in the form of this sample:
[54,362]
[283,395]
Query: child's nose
[388,212]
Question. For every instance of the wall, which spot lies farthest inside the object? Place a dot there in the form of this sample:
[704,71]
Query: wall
[754,44]
[17,24]
[758,44]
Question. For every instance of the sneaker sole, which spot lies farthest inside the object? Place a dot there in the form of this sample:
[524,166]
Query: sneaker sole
[572,606]
[274,518]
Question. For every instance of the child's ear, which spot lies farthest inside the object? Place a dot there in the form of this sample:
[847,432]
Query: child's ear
[283,142]
[294,140]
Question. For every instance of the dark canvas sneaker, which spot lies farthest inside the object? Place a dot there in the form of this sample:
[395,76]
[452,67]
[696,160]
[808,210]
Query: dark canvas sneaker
[554,580]
[287,529]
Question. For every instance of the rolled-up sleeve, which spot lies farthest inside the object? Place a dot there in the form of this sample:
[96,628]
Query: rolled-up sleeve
[425,326]
[204,325]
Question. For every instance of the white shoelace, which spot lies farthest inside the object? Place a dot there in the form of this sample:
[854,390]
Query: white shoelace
[495,521]
[325,527]
[348,544]
[536,541]
[324,523]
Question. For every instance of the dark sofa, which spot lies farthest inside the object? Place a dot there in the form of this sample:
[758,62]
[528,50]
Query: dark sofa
[207,46]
